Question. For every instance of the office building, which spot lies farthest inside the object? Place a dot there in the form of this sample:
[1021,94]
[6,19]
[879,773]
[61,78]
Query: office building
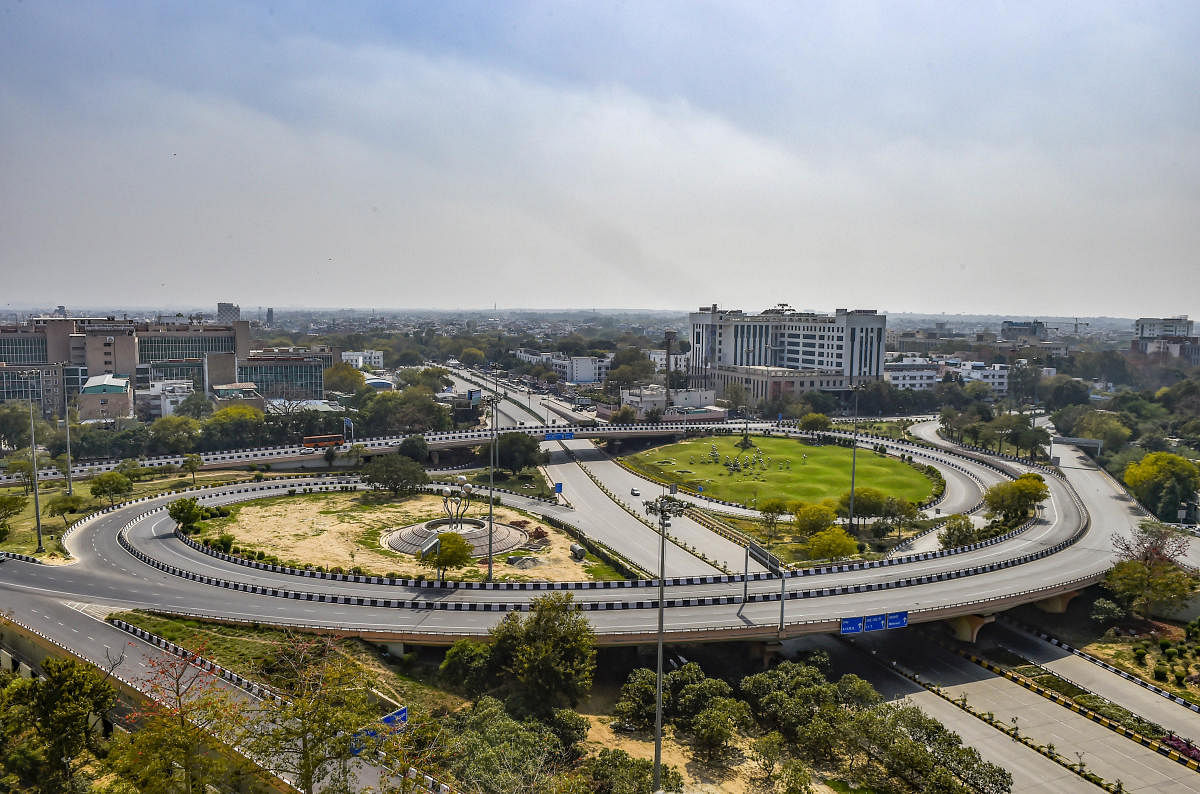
[781,351]
[1016,330]
[916,374]
[289,377]
[105,398]
[161,398]
[1159,327]
[994,375]
[228,313]
[363,359]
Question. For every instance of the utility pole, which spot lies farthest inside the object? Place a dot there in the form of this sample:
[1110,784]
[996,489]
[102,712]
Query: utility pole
[37,506]
[663,507]
[492,458]
[853,427]
[67,422]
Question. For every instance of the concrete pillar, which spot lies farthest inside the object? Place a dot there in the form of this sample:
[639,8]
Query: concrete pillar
[434,457]
[394,648]
[770,650]
[24,670]
[1057,604]
[6,661]
[966,627]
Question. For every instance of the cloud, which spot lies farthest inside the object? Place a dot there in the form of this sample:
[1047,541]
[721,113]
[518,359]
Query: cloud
[285,167]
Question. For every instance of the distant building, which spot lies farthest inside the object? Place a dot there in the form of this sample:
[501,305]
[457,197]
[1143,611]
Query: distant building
[227,394]
[228,313]
[105,397]
[994,375]
[914,374]
[270,317]
[780,350]
[1015,330]
[162,397]
[680,362]
[364,359]
[570,369]
[1158,327]
[290,377]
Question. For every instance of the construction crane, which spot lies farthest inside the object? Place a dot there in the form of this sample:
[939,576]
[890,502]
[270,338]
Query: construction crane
[1079,323]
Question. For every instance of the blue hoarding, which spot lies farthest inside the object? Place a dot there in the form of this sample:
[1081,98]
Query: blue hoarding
[852,625]
[559,436]
[874,622]
[558,487]
[897,620]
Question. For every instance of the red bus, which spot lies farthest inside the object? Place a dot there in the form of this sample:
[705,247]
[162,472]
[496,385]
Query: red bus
[324,441]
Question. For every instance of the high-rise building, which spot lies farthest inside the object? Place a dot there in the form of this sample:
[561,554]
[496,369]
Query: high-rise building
[270,317]
[228,313]
[1157,327]
[782,351]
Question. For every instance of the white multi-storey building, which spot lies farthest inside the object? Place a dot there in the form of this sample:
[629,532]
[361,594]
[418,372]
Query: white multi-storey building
[680,362]
[571,369]
[780,350]
[994,375]
[364,359]
[1158,327]
[915,374]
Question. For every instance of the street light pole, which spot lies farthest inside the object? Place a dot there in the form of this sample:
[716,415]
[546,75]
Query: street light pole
[853,431]
[492,457]
[663,507]
[37,506]
[67,422]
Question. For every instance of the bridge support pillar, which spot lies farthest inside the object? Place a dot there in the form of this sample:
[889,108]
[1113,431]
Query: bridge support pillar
[770,650]
[434,457]
[394,648]
[1057,604]
[24,670]
[966,627]
[6,662]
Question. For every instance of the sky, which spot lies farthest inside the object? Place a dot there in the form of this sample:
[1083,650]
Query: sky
[992,157]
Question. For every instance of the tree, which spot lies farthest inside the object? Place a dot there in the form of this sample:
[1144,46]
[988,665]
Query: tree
[653,416]
[617,772]
[547,656]
[493,753]
[867,502]
[395,473]
[1062,390]
[957,531]
[715,726]
[815,422]
[1012,501]
[185,730]
[735,396]
[111,484]
[811,519]
[60,505]
[11,506]
[770,512]
[796,778]
[196,405]
[1163,481]
[637,704]
[309,735]
[60,706]
[516,451]
[190,465]
[767,751]
[453,551]
[186,513]
[233,426]
[831,544]
[1152,542]
[414,447]
[467,666]
[356,453]
[412,410]
[342,377]
[471,357]
[173,435]
[1106,612]
[625,415]
[1150,588]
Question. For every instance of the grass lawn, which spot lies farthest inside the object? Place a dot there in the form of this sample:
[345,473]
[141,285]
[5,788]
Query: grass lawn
[23,535]
[792,549]
[411,681]
[529,482]
[825,474]
[897,429]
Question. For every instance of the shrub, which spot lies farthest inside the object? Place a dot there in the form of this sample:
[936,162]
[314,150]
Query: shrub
[1160,672]
[1139,655]
[258,477]
[1179,676]
[1163,644]
[1171,654]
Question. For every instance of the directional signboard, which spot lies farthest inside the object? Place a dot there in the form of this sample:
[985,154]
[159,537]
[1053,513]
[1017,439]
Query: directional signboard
[852,625]
[763,557]
[558,487]
[897,620]
[874,622]
[559,436]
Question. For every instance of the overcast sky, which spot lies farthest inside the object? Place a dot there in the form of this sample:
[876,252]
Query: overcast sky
[1010,157]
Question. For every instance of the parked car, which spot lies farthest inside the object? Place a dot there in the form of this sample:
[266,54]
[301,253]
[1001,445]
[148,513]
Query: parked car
[634,492]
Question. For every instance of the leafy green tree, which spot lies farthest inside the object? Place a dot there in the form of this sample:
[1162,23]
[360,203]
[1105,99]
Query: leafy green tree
[831,544]
[637,704]
[735,396]
[1062,390]
[767,751]
[110,485]
[62,504]
[342,377]
[471,357]
[467,666]
[395,473]
[1013,501]
[11,506]
[173,435]
[232,427]
[186,513]
[1106,612]
[14,425]
[716,726]
[196,405]
[308,736]
[811,519]
[958,530]
[1150,588]
[190,465]
[547,656]
[453,551]
[867,502]
[495,754]
[412,410]
[815,422]
[617,772]
[1163,481]
[414,447]
[517,451]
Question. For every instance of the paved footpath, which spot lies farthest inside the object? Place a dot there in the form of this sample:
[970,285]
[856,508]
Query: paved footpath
[1033,773]
[1109,755]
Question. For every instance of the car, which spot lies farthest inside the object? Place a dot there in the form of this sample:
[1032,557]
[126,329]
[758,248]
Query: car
[308,451]
[634,492]
[395,442]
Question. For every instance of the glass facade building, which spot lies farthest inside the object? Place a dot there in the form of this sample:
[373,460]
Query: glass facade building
[23,348]
[161,347]
[289,378]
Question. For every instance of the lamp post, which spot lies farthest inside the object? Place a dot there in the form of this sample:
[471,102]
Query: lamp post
[663,507]
[493,456]
[853,430]
[67,422]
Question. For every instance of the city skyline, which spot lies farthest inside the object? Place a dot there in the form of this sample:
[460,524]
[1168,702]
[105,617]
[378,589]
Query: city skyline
[912,158]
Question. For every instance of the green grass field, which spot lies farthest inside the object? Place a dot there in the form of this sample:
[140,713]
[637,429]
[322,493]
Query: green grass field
[825,474]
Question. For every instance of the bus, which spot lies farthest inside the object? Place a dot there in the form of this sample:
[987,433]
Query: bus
[324,441]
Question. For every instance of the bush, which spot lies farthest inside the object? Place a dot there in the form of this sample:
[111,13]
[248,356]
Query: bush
[1170,654]
[1179,676]
[1160,672]
[1163,644]
[1139,655]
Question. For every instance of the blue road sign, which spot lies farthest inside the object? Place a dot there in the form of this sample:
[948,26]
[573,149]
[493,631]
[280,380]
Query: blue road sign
[874,622]
[852,625]
[897,620]
[699,489]
[399,716]
[558,487]
[559,436]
